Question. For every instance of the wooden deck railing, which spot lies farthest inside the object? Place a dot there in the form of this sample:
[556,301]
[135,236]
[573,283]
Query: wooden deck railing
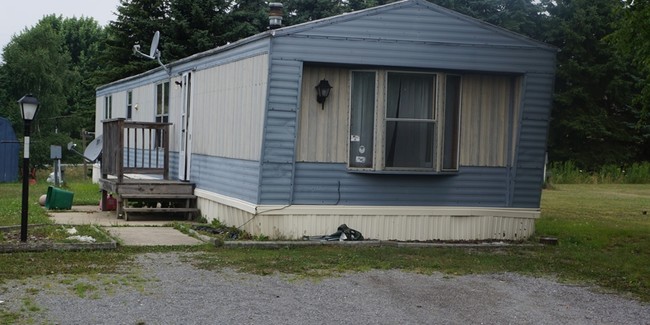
[135,147]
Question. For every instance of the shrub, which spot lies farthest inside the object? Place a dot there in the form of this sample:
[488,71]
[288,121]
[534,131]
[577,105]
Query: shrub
[569,173]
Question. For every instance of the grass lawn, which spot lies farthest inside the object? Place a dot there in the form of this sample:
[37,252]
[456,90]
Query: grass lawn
[604,239]
[11,196]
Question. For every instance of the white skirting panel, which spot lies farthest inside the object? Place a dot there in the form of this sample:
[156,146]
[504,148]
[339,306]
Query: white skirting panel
[384,223]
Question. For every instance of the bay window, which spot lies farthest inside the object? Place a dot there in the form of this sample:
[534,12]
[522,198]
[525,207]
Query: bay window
[399,123]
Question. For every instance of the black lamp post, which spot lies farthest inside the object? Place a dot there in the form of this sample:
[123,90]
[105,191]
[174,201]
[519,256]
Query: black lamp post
[28,109]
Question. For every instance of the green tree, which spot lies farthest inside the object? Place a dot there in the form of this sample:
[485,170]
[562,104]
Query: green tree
[300,11]
[247,18]
[521,16]
[195,26]
[36,62]
[137,21]
[53,61]
[632,40]
[354,5]
[593,121]
[84,40]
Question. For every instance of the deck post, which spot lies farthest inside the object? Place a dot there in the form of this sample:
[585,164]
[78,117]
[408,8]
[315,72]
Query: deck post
[166,148]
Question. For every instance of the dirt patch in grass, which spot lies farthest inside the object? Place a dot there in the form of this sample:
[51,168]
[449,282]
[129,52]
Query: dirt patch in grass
[13,237]
[54,237]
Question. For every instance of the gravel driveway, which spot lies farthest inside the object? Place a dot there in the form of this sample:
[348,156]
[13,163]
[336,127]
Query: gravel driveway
[162,289]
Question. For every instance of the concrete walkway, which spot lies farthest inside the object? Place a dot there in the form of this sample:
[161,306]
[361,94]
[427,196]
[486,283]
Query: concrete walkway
[143,232]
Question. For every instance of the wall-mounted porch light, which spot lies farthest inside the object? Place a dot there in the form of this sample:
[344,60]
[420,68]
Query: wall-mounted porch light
[322,91]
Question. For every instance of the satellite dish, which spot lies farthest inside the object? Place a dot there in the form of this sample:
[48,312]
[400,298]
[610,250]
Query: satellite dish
[154,45]
[94,149]
[154,54]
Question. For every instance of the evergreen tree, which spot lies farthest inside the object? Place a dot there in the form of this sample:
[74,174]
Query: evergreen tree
[195,26]
[300,11]
[593,121]
[247,18]
[84,40]
[137,21]
[631,41]
[521,16]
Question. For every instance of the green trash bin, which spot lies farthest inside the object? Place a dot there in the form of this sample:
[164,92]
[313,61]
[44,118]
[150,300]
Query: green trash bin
[58,199]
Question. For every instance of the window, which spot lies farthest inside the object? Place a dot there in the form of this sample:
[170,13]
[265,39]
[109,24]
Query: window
[108,107]
[410,121]
[162,102]
[129,104]
[452,123]
[362,119]
[162,108]
[399,123]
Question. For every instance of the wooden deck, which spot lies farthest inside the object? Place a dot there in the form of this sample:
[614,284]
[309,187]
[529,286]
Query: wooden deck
[141,148]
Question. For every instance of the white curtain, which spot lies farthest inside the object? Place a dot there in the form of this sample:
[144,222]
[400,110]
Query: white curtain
[362,119]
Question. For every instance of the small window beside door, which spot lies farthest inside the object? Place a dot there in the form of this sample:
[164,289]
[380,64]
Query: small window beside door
[108,107]
[129,104]
[162,109]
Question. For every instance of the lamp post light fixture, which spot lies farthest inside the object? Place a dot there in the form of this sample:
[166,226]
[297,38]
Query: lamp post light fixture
[28,109]
[322,91]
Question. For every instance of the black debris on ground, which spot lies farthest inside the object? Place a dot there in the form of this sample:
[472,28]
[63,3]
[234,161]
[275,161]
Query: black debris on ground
[232,233]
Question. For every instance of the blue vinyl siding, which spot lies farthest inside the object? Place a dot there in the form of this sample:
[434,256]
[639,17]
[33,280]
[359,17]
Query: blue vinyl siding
[415,55]
[173,165]
[230,177]
[148,158]
[413,35]
[531,148]
[318,183]
[414,21]
[280,131]
[9,151]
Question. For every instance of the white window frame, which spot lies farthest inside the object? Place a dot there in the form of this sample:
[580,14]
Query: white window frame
[108,107]
[380,125]
[161,114]
[129,105]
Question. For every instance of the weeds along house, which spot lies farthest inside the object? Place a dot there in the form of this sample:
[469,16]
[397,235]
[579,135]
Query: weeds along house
[435,126]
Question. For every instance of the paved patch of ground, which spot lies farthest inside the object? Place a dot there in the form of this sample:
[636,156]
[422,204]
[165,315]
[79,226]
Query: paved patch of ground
[151,236]
[83,215]
[143,231]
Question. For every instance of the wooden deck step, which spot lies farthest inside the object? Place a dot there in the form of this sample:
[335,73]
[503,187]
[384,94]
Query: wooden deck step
[147,196]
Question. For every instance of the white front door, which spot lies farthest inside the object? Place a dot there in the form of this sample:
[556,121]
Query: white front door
[185,153]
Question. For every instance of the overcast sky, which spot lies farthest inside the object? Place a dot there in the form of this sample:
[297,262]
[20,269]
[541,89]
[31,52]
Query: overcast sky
[15,16]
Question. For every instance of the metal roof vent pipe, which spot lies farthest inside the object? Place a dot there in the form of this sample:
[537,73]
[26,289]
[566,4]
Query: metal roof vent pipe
[275,15]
